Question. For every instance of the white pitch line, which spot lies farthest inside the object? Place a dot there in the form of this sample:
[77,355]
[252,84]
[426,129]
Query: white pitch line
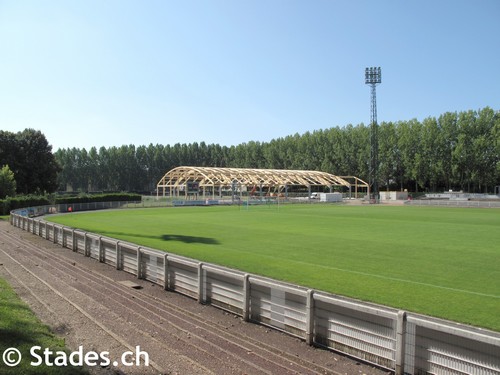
[385,277]
[401,280]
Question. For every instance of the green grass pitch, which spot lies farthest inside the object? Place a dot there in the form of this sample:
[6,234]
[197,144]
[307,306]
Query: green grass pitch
[443,262]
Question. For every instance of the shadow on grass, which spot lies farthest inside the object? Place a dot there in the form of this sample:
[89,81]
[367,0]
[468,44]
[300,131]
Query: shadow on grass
[16,323]
[22,334]
[166,237]
[190,239]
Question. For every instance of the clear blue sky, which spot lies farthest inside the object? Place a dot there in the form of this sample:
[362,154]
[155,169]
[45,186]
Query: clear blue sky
[107,73]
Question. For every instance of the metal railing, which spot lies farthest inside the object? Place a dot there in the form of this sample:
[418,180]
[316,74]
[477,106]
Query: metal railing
[454,203]
[401,341]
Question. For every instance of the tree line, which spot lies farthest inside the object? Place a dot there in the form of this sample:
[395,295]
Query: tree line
[457,150]
[27,164]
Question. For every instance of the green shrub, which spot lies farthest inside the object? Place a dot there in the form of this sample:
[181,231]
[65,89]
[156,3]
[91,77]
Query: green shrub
[21,201]
[90,198]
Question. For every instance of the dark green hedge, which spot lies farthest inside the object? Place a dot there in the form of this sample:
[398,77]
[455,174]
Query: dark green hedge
[22,201]
[89,198]
[8,204]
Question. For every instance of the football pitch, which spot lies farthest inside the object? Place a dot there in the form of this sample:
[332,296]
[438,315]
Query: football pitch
[443,262]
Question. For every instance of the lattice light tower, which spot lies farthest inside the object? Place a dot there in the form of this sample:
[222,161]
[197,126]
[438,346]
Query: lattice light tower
[373,76]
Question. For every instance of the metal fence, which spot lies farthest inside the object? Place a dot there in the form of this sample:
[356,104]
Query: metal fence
[90,206]
[401,341]
[454,203]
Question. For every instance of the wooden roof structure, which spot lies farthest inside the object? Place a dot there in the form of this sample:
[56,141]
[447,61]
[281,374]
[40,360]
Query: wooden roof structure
[216,177]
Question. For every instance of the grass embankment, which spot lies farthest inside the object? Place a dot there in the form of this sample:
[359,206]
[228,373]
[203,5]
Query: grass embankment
[21,329]
[443,262]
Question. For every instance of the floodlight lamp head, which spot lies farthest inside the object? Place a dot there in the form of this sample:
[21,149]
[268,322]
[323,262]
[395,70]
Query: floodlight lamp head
[373,75]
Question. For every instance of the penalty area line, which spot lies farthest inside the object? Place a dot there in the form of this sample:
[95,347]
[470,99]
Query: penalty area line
[380,276]
[400,280]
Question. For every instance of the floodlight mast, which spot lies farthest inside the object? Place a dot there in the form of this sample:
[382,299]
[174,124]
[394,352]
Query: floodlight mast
[373,76]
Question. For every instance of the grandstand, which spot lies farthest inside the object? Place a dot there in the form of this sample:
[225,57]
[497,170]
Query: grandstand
[212,181]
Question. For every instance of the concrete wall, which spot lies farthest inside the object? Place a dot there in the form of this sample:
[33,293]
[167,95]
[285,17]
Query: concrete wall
[393,195]
[330,197]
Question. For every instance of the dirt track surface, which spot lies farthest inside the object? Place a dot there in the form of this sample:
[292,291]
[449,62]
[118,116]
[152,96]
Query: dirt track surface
[84,302]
